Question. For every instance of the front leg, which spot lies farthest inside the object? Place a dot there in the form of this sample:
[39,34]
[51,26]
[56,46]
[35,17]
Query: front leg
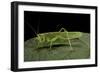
[52,40]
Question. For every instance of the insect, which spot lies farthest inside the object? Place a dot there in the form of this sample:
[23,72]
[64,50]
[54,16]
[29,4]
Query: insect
[56,38]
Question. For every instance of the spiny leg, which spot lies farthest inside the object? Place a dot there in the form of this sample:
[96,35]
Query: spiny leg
[63,29]
[51,45]
[52,40]
[69,41]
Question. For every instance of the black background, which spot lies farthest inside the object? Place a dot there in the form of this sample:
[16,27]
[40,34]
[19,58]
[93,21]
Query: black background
[40,22]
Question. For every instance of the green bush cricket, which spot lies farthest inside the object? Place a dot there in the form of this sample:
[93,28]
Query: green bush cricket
[63,34]
[56,38]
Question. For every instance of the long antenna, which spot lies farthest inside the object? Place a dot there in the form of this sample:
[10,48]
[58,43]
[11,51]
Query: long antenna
[30,26]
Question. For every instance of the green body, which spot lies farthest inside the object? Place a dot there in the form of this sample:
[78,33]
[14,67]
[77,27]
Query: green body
[56,38]
[45,37]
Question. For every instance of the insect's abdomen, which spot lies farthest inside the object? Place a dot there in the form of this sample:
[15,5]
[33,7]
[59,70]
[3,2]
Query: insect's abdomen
[73,35]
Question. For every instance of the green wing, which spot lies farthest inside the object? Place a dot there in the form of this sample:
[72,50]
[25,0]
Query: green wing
[59,41]
[72,35]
